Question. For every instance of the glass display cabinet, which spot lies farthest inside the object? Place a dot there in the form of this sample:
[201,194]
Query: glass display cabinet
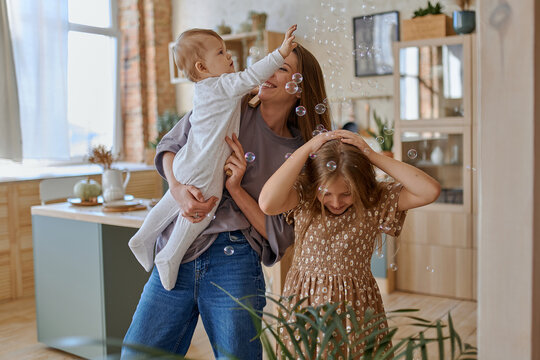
[434,131]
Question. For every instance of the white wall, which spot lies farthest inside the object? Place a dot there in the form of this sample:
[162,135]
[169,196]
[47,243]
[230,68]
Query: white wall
[281,14]
[507,157]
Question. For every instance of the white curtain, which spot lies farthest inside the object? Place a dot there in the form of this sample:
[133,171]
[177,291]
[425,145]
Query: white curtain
[39,30]
[10,129]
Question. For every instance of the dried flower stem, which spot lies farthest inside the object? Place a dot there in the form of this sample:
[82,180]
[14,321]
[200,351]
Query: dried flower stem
[101,156]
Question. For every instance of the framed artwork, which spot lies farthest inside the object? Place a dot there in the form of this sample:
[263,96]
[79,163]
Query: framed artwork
[373,38]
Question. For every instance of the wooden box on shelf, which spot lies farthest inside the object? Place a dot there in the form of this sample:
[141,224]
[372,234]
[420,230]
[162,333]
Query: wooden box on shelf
[424,27]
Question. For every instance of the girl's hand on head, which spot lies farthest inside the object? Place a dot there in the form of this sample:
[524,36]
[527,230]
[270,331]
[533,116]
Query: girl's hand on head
[235,165]
[191,201]
[288,45]
[348,137]
[317,141]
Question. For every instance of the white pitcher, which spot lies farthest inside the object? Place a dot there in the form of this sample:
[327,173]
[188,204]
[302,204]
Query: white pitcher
[113,186]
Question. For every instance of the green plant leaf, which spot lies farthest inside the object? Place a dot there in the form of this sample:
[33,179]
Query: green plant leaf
[441,340]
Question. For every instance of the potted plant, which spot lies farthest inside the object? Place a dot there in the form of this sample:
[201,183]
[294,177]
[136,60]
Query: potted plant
[223,29]
[113,184]
[102,156]
[317,332]
[428,22]
[165,122]
[258,21]
[384,134]
[464,20]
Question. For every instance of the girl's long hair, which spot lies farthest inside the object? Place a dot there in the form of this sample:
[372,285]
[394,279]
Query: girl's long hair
[352,164]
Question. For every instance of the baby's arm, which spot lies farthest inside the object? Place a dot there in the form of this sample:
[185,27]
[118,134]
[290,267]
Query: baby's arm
[240,83]
[278,194]
[419,188]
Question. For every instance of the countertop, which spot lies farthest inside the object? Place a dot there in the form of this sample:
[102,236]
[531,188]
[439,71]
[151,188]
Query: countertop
[94,214]
[19,172]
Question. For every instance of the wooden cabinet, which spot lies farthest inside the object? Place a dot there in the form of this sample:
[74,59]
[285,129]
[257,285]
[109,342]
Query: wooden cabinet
[434,131]
[16,251]
[240,44]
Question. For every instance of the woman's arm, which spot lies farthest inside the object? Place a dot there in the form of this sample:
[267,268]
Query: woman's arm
[419,188]
[236,163]
[189,198]
[278,194]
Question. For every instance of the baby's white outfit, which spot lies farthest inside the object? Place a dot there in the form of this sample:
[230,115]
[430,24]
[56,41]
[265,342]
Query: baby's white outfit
[200,162]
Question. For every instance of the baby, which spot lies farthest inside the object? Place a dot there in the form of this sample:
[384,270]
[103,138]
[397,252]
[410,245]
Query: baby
[202,56]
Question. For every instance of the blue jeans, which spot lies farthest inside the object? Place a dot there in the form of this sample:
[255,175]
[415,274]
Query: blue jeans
[166,319]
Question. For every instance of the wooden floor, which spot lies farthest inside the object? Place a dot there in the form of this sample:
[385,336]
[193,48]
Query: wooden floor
[18,325]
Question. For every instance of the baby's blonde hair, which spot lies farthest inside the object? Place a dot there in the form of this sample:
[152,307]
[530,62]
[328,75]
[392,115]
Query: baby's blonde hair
[189,48]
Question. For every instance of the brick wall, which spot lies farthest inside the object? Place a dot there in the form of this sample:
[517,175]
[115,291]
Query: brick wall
[146,91]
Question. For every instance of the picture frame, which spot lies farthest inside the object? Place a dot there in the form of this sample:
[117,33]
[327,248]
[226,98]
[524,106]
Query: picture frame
[373,37]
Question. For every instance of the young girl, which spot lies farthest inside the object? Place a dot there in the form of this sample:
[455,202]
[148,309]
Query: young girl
[202,55]
[339,209]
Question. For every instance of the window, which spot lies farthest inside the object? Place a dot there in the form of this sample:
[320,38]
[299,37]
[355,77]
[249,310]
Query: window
[92,76]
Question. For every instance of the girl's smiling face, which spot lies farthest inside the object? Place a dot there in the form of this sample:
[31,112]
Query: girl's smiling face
[336,196]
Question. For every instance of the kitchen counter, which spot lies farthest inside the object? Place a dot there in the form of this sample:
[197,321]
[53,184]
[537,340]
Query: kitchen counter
[18,172]
[92,214]
[87,281]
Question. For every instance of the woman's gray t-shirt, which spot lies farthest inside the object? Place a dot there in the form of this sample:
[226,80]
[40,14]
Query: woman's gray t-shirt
[270,150]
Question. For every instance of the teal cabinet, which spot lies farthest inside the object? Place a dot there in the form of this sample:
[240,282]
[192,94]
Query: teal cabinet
[87,283]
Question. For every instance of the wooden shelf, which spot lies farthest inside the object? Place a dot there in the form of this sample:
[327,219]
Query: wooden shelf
[441,234]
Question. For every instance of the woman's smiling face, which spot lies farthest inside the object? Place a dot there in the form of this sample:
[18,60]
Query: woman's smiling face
[274,88]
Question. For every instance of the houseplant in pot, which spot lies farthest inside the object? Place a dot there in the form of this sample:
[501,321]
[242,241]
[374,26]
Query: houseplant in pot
[464,20]
[165,122]
[113,185]
[384,134]
[428,22]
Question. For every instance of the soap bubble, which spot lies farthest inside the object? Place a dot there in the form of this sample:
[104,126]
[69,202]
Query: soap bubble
[315,133]
[291,87]
[379,139]
[312,156]
[300,111]
[320,109]
[250,157]
[331,165]
[430,269]
[367,18]
[356,85]
[297,78]
[287,155]
[325,101]
[228,250]
[412,154]
[388,130]
[255,51]
[393,267]
[320,127]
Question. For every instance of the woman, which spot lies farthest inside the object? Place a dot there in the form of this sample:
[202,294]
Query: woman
[229,251]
